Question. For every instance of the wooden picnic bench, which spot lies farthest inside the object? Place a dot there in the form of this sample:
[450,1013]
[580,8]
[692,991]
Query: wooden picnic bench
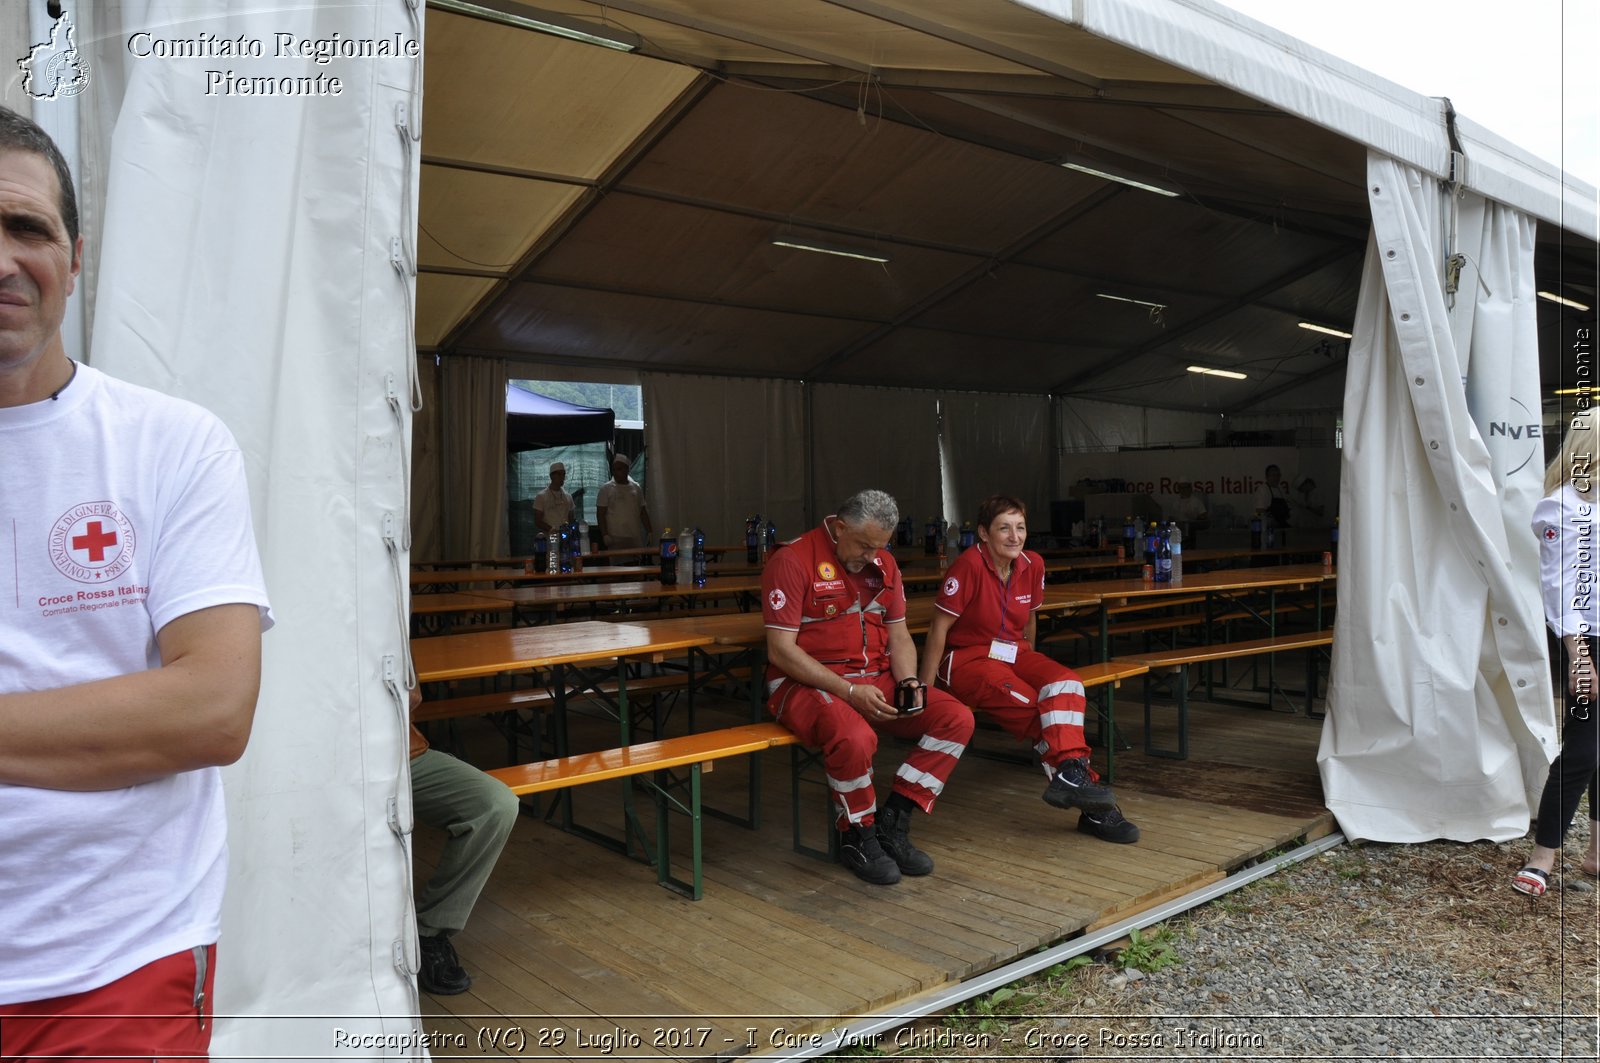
[1178,661]
[651,765]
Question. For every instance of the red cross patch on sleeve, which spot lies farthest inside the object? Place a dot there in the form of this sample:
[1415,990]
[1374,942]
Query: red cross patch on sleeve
[1550,535]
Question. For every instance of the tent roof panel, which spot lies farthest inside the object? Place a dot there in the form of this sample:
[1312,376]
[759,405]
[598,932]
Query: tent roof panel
[443,300]
[483,220]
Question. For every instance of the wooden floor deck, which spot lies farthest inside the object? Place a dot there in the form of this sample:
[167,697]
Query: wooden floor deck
[589,957]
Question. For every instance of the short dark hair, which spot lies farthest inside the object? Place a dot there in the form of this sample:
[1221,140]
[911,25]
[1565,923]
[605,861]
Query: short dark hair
[21,134]
[997,505]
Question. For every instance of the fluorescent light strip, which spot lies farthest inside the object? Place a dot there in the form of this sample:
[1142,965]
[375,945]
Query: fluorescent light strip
[532,19]
[1554,298]
[1325,330]
[1125,299]
[1581,389]
[1229,373]
[1092,172]
[828,249]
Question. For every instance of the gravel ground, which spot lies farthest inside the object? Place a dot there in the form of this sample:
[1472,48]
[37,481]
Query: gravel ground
[1368,952]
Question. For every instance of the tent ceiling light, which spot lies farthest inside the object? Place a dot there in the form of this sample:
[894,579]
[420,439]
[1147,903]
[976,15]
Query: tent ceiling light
[821,248]
[1581,389]
[1126,299]
[1554,298]
[510,13]
[1208,371]
[1325,330]
[1104,176]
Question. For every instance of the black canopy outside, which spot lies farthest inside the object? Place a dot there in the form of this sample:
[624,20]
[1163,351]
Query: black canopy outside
[535,421]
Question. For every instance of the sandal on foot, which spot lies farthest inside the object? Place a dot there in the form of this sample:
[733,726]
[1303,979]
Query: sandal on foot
[1532,881]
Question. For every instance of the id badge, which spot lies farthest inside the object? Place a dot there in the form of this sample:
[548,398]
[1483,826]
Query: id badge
[1001,650]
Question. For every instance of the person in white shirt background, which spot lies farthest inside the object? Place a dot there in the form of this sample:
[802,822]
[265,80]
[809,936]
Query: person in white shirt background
[1565,521]
[620,508]
[553,506]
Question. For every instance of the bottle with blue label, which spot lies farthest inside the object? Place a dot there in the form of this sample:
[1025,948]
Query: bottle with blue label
[1255,532]
[1130,538]
[669,558]
[968,536]
[699,558]
[905,532]
[932,537]
[541,552]
[564,544]
[752,539]
[1175,539]
[1164,558]
[1152,543]
[772,537]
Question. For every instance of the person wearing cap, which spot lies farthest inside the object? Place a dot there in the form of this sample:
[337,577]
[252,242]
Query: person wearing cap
[553,506]
[620,508]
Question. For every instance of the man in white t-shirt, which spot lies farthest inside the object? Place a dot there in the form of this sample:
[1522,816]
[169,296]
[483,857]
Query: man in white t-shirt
[553,506]
[131,611]
[624,520]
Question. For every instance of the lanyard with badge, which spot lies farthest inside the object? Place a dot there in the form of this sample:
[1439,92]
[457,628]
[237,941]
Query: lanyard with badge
[1002,649]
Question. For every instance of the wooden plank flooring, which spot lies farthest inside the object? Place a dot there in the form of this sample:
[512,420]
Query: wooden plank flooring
[589,957]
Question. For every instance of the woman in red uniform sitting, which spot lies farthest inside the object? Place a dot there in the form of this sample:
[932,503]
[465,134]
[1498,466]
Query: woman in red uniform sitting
[980,648]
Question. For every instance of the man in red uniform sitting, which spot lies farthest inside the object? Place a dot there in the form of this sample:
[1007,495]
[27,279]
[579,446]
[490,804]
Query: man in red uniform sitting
[840,659]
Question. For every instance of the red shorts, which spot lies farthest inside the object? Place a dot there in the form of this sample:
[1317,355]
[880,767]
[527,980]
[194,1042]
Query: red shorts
[161,1011]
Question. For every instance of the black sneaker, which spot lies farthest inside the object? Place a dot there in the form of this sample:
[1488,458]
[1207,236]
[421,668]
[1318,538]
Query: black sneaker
[1109,826]
[1074,787]
[860,852]
[894,835]
[441,973]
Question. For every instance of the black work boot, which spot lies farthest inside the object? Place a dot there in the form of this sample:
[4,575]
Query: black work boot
[860,852]
[894,835]
[1073,787]
[441,972]
[1109,826]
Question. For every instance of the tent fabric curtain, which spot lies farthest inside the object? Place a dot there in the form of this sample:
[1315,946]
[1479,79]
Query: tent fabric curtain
[220,285]
[885,438]
[472,452]
[719,449]
[996,444]
[1090,424]
[427,484]
[1440,712]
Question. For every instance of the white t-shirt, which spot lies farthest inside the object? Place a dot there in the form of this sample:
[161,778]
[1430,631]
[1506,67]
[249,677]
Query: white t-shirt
[624,504]
[1565,524]
[121,509]
[553,505]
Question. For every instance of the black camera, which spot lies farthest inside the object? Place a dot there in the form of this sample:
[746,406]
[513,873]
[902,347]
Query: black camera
[908,696]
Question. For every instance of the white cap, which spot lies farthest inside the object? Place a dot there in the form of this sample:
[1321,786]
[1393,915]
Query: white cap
[556,467]
[622,458]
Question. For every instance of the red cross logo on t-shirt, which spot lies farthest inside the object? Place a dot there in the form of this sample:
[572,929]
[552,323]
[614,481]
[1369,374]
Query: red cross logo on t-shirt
[95,540]
[1550,535]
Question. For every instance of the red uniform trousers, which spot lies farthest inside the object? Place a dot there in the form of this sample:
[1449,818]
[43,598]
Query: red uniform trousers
[1038,699]
[848,743]
[161,1011]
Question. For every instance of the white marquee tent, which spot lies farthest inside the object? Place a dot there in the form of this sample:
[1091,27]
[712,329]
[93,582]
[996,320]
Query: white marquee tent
[259,255]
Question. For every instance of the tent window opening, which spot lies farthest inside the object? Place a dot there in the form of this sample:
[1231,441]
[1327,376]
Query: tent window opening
[577,424]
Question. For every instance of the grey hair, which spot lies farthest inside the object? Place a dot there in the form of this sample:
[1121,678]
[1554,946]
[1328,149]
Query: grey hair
[870,507]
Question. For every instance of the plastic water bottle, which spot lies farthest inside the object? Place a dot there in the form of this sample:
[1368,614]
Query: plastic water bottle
[1255,532]
[669,558]
[906,532]
[1175,541]
[1094,534]
[1152,543]
[752,539]
[699,558]
[563,549]
[968,536]
[541,553]
[583,537]
[685,557]
[552,552]
[932,538]
[770,542]
[1130,537]
[1164,559]
[1269,535]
